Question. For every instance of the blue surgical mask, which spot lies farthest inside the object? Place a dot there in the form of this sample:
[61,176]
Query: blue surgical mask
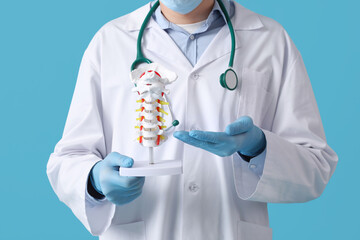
[181,6]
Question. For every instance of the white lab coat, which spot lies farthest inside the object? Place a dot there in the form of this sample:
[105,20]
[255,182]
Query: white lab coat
[215,198]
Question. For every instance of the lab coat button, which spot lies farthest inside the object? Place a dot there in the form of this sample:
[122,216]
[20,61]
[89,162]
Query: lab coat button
[192,37]
[195,76]
[252,166]
[193,187]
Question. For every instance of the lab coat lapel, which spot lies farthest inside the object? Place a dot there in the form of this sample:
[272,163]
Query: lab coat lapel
[158,42]
[243,20]
[218,47]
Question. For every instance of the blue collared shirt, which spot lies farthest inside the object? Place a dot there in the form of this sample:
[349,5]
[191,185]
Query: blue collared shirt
[193,45]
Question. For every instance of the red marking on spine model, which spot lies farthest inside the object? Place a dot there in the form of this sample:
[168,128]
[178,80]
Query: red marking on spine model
[158,140]
[150,86]
[151,71]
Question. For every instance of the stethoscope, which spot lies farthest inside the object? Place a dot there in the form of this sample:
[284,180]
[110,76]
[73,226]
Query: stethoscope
[228,79]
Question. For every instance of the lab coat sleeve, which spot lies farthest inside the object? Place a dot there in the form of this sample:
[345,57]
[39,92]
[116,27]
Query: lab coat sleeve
[298,161]
[81,146]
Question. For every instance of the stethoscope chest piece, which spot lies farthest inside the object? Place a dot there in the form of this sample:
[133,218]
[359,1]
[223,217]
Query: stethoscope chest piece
[229,80]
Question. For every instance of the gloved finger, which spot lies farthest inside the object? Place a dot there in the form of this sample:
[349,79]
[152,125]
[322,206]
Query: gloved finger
[124,191]
[119,160]
[130,182]
[120,199]
[241,125]
[137,183]
[184,136]
[129,192]
[132,197]
[206,136]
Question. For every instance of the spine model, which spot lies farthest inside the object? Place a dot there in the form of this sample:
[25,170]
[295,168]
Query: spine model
[150,82]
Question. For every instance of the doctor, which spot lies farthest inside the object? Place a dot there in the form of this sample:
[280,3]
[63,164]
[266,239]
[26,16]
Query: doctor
[261,142]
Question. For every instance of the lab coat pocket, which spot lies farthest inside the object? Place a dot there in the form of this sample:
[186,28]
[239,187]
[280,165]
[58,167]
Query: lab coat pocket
[129,231]
[251,231]
[256,97]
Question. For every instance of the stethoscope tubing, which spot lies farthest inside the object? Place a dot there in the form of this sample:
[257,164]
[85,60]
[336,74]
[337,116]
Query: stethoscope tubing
[232,33]
[139,55]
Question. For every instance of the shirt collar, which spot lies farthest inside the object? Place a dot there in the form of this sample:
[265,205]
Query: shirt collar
[243,20]
[213,16]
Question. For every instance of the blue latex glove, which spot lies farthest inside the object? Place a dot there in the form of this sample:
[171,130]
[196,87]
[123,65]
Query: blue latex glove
[240,136]
[106,180]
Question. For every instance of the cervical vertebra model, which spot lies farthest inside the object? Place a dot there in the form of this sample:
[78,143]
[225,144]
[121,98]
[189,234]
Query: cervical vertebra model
[150,82]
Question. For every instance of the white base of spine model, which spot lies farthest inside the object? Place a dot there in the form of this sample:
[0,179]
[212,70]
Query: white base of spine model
[150,82]
[144,169]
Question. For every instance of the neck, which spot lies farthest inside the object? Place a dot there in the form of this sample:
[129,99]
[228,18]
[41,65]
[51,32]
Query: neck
[200,13]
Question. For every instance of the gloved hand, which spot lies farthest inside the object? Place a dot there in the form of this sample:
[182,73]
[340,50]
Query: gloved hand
[106,180]
[240,136]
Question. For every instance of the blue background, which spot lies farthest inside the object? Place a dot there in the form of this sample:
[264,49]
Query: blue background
[41,45]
